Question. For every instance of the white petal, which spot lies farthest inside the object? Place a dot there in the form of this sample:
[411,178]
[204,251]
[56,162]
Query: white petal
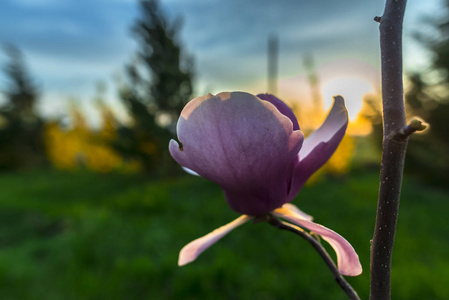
[192,250]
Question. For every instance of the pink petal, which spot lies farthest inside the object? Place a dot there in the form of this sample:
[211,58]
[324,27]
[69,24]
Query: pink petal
[347,259]
[294,209]
[282,107]
[192,250]
[242,143]
[320,145]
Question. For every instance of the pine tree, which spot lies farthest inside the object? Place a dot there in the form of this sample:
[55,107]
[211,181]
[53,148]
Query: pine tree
[169,86]
[21,132]
[159,84]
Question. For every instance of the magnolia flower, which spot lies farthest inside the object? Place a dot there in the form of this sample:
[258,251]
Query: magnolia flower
[253,148]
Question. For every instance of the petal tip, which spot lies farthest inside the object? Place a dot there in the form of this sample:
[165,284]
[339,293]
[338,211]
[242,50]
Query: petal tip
[184,259]
[354,271]
[339,99]
[174,148]
[339,105]
[190,252]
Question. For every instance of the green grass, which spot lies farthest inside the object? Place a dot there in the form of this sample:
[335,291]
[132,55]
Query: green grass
[91,236]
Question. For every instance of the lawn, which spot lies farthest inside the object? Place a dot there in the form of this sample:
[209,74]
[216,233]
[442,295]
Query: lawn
[90,236]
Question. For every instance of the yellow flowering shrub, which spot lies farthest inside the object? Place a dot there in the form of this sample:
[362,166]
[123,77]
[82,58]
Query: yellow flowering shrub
[81,146]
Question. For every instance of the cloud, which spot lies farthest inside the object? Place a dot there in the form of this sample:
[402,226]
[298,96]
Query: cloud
[72,44]
[81,29]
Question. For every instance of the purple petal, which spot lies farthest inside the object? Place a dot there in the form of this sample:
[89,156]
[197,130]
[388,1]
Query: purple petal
[347,259]
[242,143]
[337,119]
[192,250]
[282,107]
[320,145]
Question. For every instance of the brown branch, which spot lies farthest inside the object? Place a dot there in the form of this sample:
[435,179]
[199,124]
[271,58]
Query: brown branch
[394,147]
[347,288]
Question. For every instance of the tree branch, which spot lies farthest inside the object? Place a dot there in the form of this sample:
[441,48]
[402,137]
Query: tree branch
[347,288]
[414,126]
[394,147]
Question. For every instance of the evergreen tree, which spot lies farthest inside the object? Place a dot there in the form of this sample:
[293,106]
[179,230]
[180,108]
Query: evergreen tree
[21,132]
[429,99]
[440,47]
[159,84]
[169,86]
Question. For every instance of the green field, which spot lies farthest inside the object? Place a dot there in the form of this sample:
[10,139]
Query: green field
[90,236]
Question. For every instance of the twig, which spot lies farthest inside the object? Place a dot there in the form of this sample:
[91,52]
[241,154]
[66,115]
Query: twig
[394,146]
[347,288]
[414,126]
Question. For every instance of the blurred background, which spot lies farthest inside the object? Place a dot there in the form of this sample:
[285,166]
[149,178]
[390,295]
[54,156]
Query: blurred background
[93,206]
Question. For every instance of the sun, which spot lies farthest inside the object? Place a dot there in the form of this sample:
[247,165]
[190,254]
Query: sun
[351,88]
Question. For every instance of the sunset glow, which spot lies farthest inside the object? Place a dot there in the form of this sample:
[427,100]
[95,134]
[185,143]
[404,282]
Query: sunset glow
[351,88]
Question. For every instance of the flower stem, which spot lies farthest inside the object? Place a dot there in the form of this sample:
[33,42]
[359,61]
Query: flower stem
[347,288]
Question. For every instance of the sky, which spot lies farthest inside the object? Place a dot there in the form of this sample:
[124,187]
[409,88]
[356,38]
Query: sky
[72,45]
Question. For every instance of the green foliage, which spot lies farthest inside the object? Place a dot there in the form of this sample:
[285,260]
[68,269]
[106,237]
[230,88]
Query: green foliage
[144,140]
[441,47]
[169,86]
[427,152]
[91,236]
[21,129]
[159,85]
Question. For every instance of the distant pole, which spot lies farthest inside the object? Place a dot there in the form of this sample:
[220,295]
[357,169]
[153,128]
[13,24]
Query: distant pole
[314,83]
[273,45]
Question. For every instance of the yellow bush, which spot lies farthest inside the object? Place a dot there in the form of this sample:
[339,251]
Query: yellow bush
[80,146]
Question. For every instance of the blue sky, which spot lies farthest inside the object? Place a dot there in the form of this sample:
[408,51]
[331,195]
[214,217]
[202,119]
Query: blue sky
[70,45]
